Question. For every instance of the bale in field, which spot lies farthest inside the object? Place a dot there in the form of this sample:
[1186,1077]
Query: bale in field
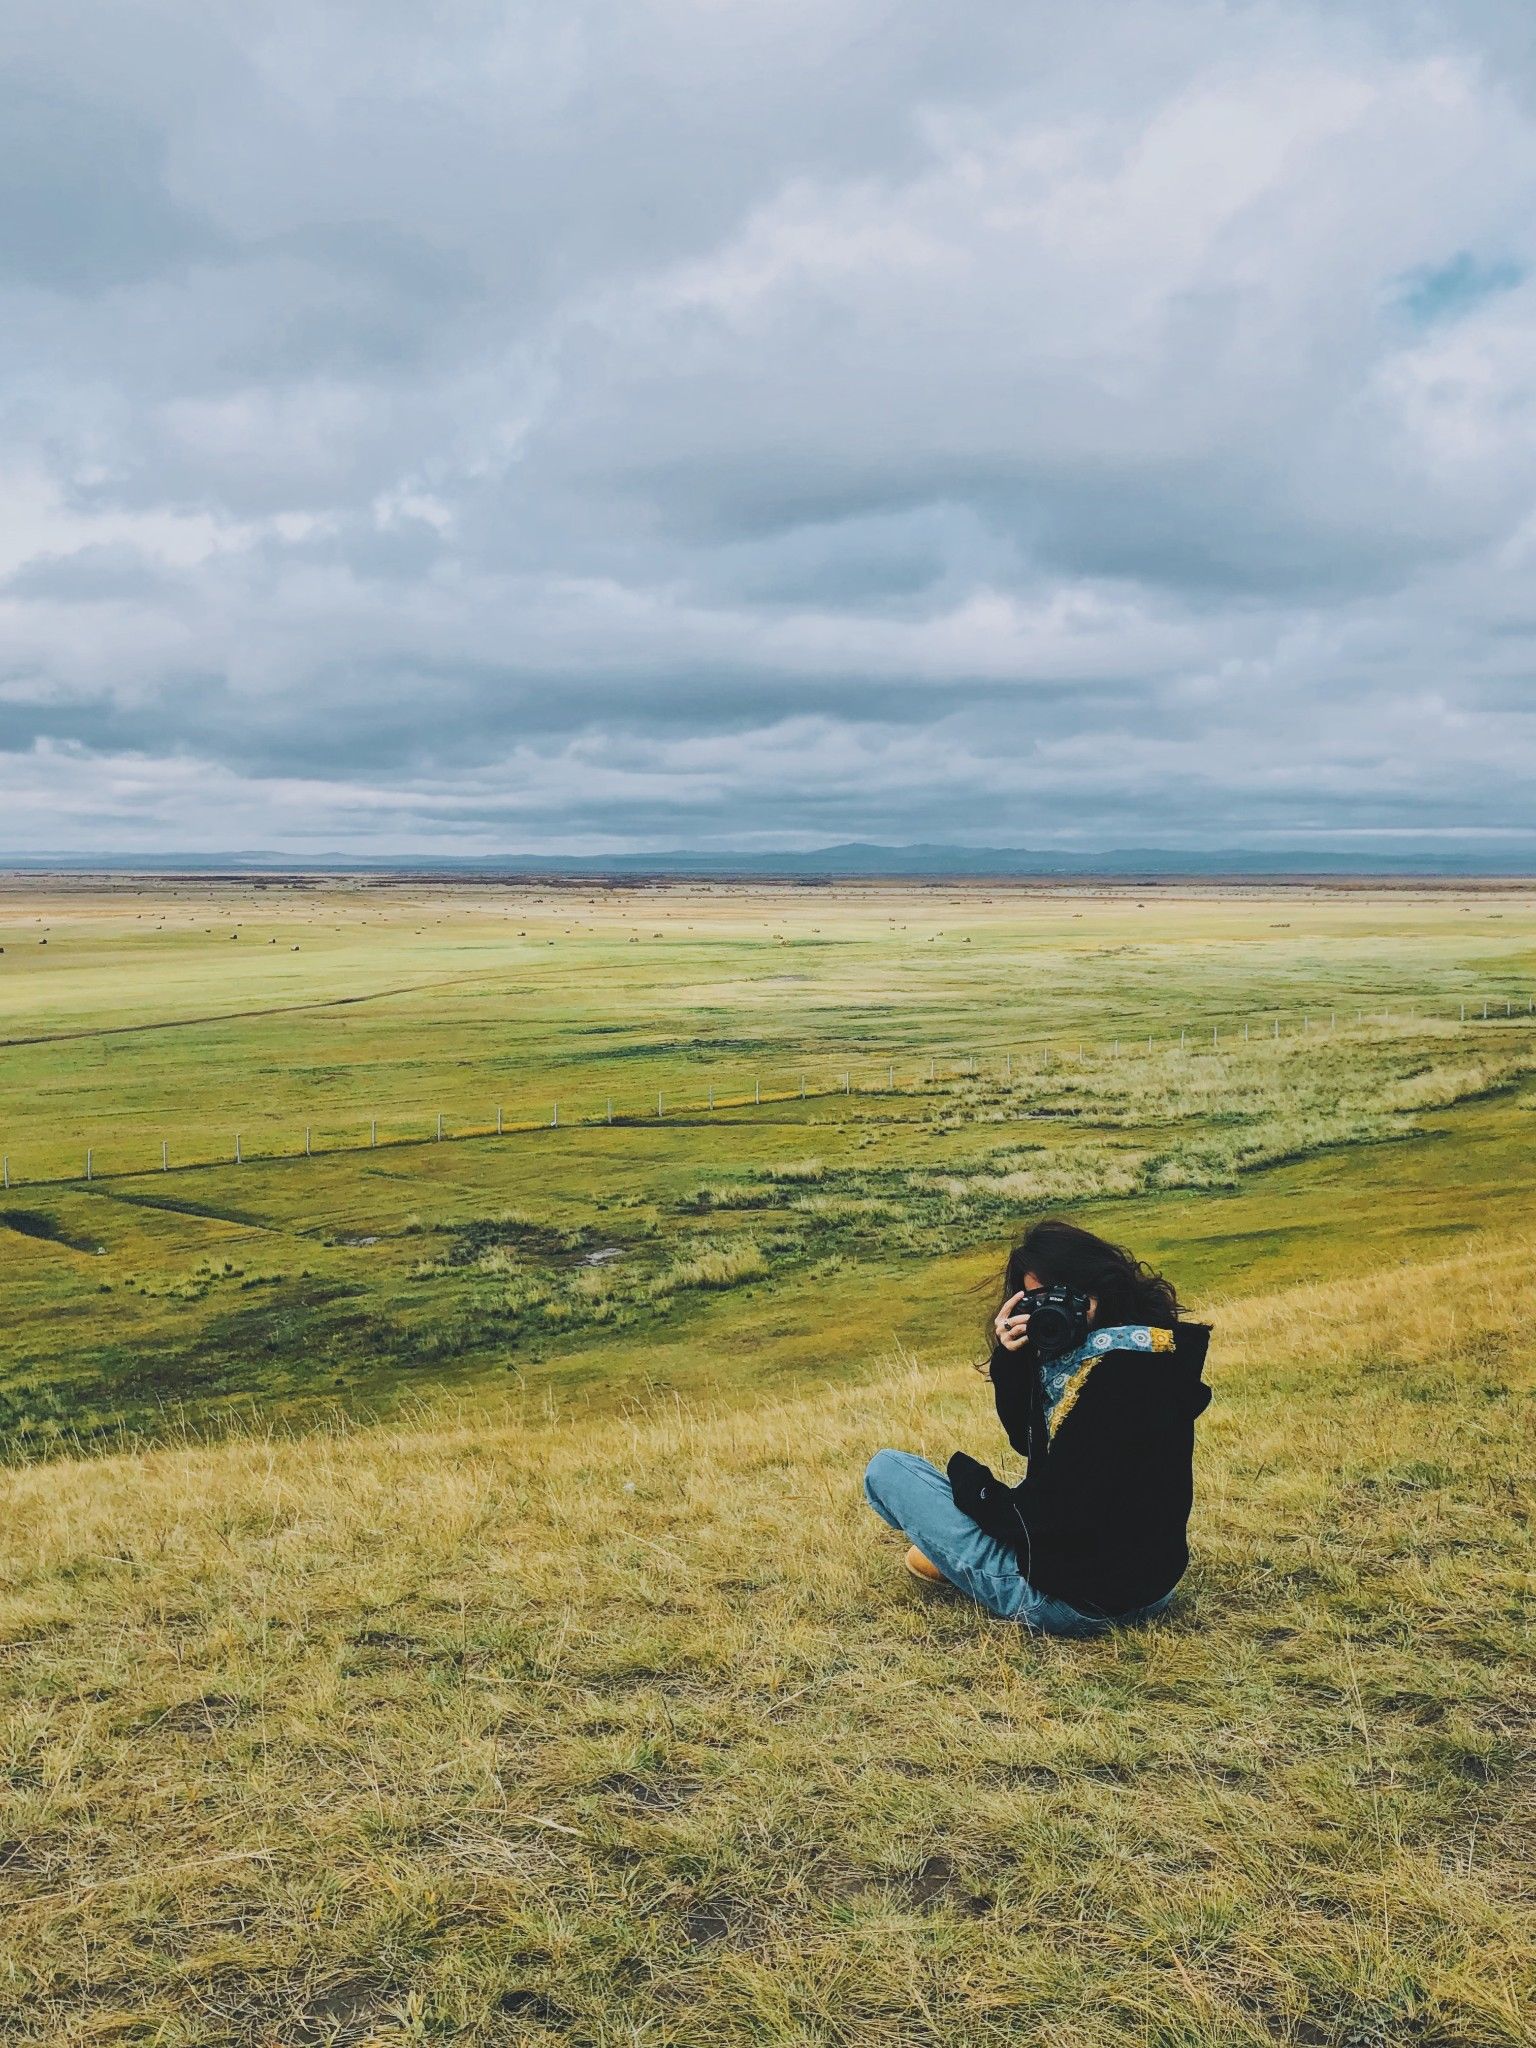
[1097,1380]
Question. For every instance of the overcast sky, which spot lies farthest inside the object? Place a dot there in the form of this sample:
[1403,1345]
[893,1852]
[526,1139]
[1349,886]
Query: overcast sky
[757,423]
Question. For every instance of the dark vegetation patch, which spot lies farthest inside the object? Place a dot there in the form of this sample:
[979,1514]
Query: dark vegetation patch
[17,1858]
[526,2002]
[181,1205]
[39,1224]
[204,1715]
[293,1339]
[303,1318]
[936,1884]
[661,1793]
[468,1243]
[339,2014]
[713,1919]
[386,1639]
[670,1048]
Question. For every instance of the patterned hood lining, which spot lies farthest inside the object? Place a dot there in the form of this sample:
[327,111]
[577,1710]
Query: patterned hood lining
[1063,1379]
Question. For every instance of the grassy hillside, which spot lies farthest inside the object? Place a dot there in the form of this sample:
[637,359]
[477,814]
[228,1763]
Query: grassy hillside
[632,1731]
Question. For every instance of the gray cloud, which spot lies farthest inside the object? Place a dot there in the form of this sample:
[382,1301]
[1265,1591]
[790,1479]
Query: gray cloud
[663,423]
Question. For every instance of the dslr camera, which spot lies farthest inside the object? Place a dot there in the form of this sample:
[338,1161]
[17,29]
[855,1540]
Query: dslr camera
[1058,1319]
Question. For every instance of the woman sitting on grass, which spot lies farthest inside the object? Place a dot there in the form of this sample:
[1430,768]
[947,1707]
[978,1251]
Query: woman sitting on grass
[1097,1383]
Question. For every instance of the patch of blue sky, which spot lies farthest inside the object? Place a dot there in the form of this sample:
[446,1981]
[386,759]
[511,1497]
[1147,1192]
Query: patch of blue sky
[1444,291]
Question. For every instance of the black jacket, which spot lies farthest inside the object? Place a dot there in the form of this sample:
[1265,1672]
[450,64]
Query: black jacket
[1098,1519]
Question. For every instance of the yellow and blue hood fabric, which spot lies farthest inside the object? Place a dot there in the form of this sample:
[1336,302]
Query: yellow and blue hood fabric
[1063,1379]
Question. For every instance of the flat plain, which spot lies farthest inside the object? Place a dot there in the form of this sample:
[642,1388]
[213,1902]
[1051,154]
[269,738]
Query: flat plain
[434,1597]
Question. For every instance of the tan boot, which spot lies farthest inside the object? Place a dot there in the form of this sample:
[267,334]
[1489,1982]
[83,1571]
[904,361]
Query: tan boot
[924,1568]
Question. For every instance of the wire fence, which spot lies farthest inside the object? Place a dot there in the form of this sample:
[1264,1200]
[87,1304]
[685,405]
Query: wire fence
[902,1072]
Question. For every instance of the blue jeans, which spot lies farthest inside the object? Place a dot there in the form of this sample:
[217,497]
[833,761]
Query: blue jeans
[913,1496]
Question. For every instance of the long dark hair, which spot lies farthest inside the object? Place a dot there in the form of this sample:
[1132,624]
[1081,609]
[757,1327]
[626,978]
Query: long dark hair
[1127,1290]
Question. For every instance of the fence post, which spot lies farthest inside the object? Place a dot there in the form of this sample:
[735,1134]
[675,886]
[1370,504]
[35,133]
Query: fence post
[165,1155]
[498,1119]
[5,1171]
[439,1127]
[1463,1013]
[658,1105]
[802,1087]
[757,1087]
[711,1094]
[1245,1031]
[610,1109]
[88,1162]
[238,1160]
[847,1083]
[373,1131]
[554,1122]
[1184,1036]
[1277,1027]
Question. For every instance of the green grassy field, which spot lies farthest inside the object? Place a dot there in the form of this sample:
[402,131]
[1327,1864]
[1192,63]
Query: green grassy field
[1000,1049]
[262,1009]
[593,1261]
[524,1665]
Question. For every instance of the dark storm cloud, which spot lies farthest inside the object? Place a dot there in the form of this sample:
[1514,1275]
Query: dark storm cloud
[685,422]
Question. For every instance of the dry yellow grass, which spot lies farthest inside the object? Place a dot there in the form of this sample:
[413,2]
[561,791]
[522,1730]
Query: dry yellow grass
[635,1733]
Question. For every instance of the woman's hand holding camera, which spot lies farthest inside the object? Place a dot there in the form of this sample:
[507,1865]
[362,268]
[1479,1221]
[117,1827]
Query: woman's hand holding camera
[1012,1329]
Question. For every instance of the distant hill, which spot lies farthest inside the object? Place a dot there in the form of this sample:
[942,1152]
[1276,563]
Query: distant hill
[851,859]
